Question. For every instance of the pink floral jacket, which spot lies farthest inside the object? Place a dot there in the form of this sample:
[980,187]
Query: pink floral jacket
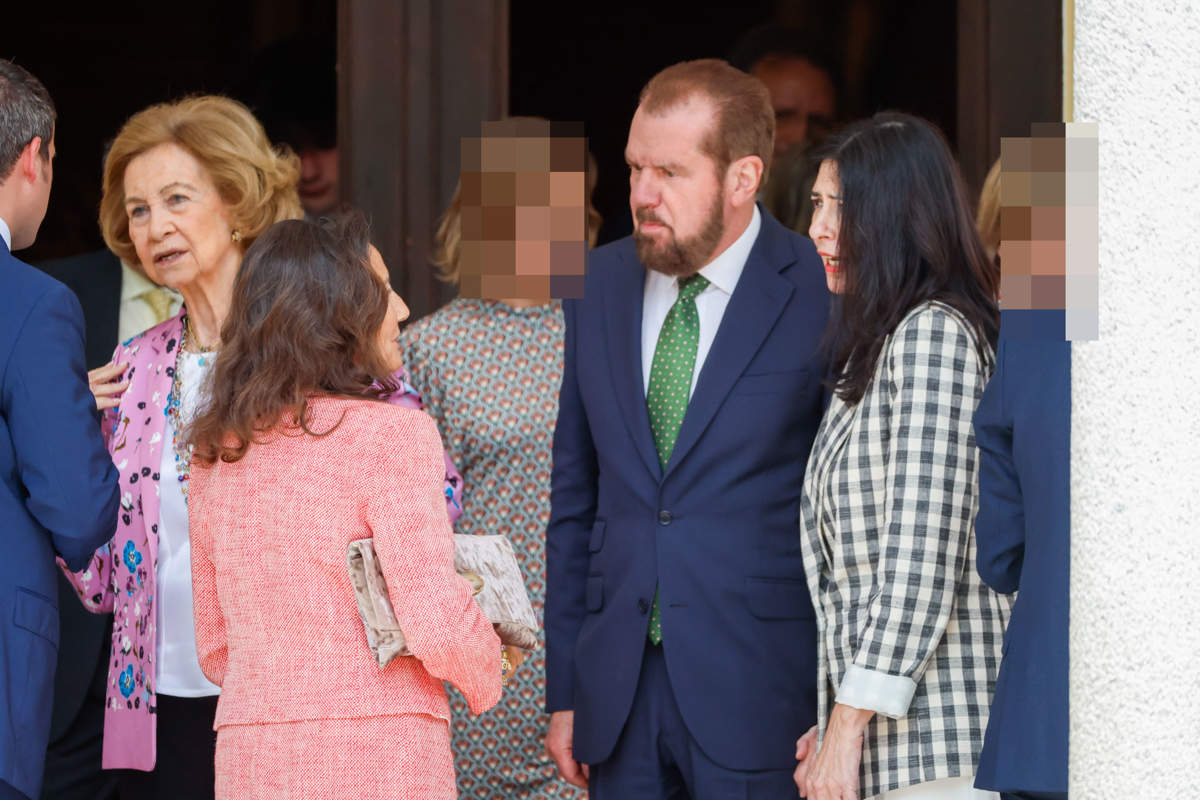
[121,576]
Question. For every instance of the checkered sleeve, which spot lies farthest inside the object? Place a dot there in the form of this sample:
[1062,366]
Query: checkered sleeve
[931,383]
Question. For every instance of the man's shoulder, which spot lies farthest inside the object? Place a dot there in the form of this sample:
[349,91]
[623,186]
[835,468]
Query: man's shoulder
[24,284]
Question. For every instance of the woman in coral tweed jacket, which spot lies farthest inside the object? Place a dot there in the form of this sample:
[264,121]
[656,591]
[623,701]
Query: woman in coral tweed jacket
[276,622]
[119,579]
[292,464]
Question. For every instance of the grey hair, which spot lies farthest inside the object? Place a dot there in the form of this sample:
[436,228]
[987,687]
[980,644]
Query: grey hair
[26,112]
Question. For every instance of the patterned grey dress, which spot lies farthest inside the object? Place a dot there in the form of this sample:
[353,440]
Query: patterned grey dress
[490,375]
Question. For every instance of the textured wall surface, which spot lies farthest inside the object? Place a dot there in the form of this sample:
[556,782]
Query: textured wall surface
[1135,584]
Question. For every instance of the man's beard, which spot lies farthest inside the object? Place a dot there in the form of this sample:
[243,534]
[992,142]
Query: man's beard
[680,258]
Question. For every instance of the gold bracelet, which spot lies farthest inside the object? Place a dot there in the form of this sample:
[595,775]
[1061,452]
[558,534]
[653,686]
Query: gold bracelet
[505,666]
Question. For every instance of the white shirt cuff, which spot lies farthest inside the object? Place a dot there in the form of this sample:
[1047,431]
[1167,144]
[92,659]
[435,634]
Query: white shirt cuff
[880,692]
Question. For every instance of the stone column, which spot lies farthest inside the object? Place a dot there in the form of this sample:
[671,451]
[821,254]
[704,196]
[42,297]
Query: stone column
[1135,461]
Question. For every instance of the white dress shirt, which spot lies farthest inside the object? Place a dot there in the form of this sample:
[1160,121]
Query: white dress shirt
[136,313]
[661,291]
[5,234]
[178,670]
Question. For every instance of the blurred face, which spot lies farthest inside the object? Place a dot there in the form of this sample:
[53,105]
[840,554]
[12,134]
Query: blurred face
[826,219]
[178,222]
[397,312]
[675,194]
[318,180]
[800,94]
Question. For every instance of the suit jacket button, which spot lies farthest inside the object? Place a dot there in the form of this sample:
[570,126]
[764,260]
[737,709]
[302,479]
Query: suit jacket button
[664,518]
[643,605]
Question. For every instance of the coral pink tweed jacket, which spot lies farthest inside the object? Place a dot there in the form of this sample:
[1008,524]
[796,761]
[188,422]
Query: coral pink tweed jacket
[121,576]
[276,621]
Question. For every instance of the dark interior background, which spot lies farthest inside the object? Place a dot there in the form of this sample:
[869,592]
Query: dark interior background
[102,62]
[588,62]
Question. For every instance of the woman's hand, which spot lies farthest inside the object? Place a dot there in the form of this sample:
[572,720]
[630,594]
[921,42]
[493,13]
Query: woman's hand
[806,751]
[833,773]
[510,658]
[106,385]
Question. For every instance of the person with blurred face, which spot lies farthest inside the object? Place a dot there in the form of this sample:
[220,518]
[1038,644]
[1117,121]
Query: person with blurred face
[59,489]
[499,344]
[679,632]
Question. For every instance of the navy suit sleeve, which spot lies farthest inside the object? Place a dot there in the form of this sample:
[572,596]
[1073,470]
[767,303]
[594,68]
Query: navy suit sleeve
[60,453]
[1000,523]
[572,513]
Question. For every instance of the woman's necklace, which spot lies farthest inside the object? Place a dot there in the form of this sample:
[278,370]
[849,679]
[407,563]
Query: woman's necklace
[183,450]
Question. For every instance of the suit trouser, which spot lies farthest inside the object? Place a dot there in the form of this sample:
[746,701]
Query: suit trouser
[7,792]
[1033,796]
[656,757]
[73,760]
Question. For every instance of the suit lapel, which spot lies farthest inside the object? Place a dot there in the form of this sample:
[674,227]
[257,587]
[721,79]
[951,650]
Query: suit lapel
[758,299]
[624,321]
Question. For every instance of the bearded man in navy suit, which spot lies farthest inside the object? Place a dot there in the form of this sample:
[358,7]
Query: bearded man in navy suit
[681,641]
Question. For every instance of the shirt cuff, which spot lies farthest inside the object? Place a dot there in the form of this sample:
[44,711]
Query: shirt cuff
[880,692]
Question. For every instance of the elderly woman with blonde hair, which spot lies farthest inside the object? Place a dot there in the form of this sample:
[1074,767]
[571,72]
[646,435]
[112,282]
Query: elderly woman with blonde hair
[188,186]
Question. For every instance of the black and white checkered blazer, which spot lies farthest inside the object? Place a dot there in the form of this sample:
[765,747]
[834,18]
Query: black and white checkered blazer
[906,627]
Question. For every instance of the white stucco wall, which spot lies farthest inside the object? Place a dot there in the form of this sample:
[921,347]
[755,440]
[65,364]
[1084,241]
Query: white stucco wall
[1135,584]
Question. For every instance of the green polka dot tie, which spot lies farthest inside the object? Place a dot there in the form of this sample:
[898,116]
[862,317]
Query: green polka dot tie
[671,385]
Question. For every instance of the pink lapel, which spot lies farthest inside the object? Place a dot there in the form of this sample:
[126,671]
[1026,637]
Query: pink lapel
[145,405]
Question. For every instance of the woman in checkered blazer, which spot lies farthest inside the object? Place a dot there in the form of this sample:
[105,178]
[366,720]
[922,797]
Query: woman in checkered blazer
[909,636]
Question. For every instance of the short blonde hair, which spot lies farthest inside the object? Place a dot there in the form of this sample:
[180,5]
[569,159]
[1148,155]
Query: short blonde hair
[987,218]
[257,182]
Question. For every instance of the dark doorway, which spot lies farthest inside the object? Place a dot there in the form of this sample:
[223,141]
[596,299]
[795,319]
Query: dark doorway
[101,62]
[588,62]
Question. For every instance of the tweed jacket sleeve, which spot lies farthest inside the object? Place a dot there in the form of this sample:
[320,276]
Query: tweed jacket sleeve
[212,647]
[442,623]
[930,380]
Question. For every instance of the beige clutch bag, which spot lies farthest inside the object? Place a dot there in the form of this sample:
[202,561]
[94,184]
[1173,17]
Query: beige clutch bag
[488,562]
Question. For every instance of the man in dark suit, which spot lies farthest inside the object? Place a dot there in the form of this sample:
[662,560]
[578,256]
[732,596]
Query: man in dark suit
[680,634]
[60,491]
[72,769]
[1022,530]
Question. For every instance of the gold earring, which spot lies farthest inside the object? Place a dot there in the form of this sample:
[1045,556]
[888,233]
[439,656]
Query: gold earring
[236,236]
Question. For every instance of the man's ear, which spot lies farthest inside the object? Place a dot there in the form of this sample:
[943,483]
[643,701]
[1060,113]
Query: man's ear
[743,180]
[29,164]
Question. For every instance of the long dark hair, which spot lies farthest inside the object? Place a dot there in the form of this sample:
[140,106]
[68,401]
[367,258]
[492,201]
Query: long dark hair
[906,236]
[304,320]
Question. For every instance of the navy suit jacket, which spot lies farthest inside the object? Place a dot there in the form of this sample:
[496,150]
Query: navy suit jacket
[58,496]
[83,642]
[1022,427]
[716,531]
